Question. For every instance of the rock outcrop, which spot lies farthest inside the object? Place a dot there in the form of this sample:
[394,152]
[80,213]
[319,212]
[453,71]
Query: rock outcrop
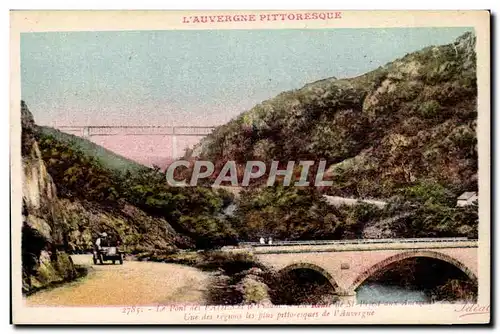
[253,288]
[138,231]
[43,231]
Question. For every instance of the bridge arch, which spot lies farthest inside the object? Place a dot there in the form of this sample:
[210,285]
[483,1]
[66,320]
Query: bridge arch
[310,266]
[411,254]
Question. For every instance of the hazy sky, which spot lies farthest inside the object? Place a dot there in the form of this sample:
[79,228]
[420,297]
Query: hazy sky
[193,77]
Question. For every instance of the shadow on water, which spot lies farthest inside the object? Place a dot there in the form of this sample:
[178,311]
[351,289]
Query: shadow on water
[382,293]
[302,286]
[417,280]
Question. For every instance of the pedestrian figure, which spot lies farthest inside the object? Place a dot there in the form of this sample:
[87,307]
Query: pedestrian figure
[270,242]
[262,241]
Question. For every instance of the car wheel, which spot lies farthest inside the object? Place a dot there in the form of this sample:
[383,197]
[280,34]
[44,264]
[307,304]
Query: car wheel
[114,261]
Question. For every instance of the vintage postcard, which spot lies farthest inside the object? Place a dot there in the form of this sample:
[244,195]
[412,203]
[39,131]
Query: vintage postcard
[250,167]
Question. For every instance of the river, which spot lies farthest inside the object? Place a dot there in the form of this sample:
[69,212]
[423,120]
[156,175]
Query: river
[381,293]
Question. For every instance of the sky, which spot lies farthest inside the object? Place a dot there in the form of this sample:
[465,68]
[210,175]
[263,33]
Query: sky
[204,77]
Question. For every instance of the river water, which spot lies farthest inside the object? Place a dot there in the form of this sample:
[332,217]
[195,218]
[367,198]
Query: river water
[381,293]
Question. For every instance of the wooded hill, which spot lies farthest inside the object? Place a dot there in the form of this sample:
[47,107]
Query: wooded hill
[405,123]
[404,133]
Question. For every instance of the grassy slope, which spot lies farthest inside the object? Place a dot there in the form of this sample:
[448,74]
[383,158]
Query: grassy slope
[86,214]
[103,191]
[107,158]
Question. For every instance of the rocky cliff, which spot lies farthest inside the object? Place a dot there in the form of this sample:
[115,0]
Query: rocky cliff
[43,231]
[138,231]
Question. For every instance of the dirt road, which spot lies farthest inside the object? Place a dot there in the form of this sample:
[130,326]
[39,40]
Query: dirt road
[133,283]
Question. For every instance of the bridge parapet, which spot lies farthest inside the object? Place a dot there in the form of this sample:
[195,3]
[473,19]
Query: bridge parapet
[354,245]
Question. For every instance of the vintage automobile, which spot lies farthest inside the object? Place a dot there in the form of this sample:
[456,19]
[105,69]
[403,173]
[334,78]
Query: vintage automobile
[108,253]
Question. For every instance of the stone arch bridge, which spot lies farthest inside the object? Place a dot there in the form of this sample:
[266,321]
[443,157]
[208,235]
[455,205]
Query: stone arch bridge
[347,264]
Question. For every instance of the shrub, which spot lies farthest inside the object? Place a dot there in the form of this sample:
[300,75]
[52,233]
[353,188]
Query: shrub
[429,109]
[231,263]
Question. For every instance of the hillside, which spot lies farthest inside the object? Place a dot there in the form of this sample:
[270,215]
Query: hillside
[404,133]
[104,192]
[106,158]
[409,122]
